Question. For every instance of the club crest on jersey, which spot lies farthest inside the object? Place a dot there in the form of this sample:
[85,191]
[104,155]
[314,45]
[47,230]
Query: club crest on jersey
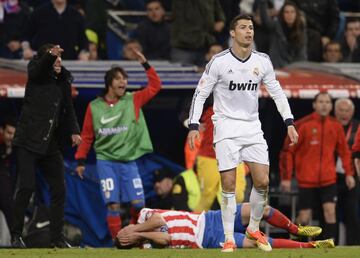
[243,86]
[256,71]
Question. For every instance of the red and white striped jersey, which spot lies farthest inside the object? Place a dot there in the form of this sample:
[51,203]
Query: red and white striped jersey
[186,229]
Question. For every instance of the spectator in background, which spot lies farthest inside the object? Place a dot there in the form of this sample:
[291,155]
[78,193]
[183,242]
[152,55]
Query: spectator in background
[6,175]
[332,52]
[350,44]
[46,114]
[288,34]
[96,21]
[154,32]
[262,40]
[179,193]
[322,21]
[212,50]
[14,19]
[93,44]
[128,52]
[231,8]
[193,28]
[313,161]
[57,22]
[348,199]
[116,122]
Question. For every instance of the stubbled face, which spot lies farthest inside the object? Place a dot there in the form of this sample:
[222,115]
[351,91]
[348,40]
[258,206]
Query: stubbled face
[8,134]
[155,12]
[163,187]
[128,53]
[344,112]
[323,105]
[57,65]
[118,85]
[289,14]
[333,53]
[243,34]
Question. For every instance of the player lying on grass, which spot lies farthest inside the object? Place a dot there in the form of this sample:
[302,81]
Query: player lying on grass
[180,229]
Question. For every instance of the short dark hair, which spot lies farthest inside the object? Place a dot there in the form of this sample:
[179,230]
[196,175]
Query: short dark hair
[322,93]
[10,121]
[153,1]
[234,21]
[111,74]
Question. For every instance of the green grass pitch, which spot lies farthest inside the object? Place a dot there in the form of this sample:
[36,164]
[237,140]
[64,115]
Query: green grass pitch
[339,252]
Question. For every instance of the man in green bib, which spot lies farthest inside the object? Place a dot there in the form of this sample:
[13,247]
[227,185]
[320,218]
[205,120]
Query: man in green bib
[116,122]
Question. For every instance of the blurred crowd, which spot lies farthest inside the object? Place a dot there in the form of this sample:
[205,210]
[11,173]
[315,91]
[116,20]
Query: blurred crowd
[182,31]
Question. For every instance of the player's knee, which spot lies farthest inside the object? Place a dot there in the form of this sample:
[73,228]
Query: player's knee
[113,206]
[330,215]
[228,185]
[262,183]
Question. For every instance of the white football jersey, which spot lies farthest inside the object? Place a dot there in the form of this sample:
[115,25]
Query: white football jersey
[235,84]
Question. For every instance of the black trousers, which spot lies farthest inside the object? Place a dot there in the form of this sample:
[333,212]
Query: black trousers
[348,207]
[6,194]
[52,167]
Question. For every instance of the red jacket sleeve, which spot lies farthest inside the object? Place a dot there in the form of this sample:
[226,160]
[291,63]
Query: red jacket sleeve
[286,160]
[342,148]
[143,96]
[87,135]
[356,145]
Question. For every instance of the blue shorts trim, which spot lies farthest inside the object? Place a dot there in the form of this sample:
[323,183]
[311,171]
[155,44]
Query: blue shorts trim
[214,232]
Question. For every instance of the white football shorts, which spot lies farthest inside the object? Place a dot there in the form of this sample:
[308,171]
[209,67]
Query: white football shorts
[231,152]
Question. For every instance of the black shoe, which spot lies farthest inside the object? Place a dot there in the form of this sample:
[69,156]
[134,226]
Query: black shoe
[62,243]
[17,242]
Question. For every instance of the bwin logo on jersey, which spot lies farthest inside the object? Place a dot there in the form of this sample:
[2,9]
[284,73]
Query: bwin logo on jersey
[243,85]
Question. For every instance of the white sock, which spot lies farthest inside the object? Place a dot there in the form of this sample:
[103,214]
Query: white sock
[258,199]
[228,212]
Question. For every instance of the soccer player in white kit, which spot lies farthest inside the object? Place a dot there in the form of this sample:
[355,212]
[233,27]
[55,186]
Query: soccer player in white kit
[234,76]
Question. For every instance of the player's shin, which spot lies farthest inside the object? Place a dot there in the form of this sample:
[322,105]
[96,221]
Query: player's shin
[258,199]
[228,212]
[277,219]
[113,220]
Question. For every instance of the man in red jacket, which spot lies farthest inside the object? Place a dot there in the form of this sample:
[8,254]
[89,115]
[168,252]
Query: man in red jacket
[313,159]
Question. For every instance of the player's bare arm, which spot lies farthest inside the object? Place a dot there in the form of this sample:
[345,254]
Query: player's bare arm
[154,222]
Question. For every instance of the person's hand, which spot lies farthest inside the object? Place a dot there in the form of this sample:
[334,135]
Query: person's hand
[128,239]
[350,182]
[76,139]
[80,170]
[193,136]
[219,26]
[129,229]
[357,166]
[56,51]
[293,135]
[28,54]
[285,186]
[325,40]
[139,56]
